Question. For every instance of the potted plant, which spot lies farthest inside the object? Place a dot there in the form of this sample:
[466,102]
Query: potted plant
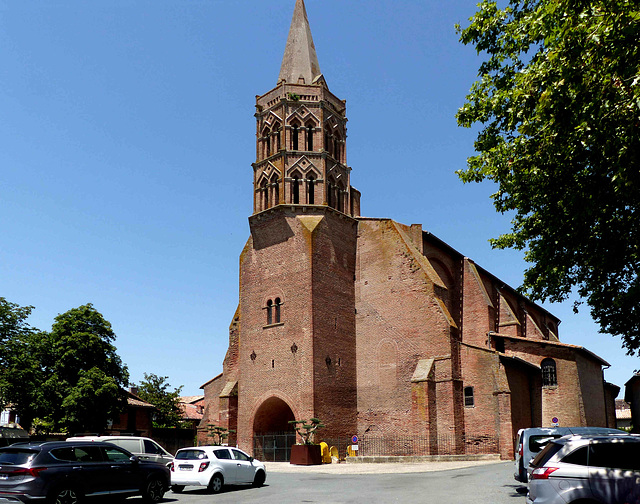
[218,433]
[307,452]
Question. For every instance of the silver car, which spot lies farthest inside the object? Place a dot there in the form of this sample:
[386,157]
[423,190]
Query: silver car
[532,440]
[586,469]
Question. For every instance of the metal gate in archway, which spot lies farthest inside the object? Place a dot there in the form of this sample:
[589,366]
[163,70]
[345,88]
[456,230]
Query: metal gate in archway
[274,447]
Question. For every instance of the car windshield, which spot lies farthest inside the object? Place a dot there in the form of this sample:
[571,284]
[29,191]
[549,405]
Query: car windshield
[191,455]
[547,452]
[16,456]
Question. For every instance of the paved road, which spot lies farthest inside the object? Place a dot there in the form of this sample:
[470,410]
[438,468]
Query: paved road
[488,483]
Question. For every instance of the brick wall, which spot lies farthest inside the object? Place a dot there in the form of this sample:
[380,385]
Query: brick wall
[399,321]
[307,261]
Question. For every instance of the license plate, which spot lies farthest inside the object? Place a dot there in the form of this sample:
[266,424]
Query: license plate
[186,467]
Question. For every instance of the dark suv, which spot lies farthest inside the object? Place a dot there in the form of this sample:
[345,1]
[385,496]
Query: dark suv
[63,472]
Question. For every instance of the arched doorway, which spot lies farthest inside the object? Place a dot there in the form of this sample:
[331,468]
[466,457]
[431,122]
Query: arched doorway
[273,435]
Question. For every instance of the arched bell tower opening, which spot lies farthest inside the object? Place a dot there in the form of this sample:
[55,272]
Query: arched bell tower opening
[273,435]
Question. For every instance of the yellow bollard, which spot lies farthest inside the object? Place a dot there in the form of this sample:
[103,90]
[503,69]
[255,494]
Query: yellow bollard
[326,456]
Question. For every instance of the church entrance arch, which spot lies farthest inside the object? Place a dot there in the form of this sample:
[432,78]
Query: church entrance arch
[273,435]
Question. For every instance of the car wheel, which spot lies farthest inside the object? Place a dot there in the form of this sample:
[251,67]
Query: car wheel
[177,488]
[215,485]
[65,495]
[154,491]
[258,481]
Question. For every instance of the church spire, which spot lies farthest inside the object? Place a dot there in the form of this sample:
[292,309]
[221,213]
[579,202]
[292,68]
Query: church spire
[300,62]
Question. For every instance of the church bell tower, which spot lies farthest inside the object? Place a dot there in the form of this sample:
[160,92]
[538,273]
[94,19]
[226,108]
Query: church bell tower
[301,156]
[296,349]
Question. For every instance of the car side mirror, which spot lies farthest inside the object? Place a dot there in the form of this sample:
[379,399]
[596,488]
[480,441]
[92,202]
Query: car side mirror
[133,459]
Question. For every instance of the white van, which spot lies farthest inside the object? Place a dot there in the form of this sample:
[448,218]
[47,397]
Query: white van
[142,447]
[532,440]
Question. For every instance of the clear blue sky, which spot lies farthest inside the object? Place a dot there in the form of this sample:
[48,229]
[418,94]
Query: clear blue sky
[126,141]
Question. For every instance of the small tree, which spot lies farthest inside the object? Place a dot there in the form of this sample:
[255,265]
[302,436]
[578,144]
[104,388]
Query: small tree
[306,429]
[218,434]
[155,390]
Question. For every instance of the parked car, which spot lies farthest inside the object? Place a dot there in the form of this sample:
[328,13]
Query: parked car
[586,469]
[143,447]
[214,467]
[532,440]
[63,472]
[10,434]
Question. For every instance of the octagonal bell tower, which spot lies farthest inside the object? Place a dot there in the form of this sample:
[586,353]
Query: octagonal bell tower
[301,130]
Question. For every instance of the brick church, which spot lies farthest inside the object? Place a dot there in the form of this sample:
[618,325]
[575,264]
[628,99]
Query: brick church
[376,327]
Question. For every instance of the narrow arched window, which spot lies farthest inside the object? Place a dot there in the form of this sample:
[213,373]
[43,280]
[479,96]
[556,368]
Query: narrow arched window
[468,397]
[295,190]
[276,142]
[549,375]
[310,137]
[278,310]
[264,195]
[340,198]
[269,312]
[329,194]
[267,143]
[311,190]
[275,190]
[294,137]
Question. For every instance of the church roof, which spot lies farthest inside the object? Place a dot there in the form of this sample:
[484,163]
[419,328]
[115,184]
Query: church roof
[300,60]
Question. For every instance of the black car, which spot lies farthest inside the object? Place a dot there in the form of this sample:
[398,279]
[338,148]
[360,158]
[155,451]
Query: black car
[63,472]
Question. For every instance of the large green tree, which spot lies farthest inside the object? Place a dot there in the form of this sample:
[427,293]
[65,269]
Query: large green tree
[557,104]
[13,321]
[155,390]
[70,379]
[21,348]
[85,377]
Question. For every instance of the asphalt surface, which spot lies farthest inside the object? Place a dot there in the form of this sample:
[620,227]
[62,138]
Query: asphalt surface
[367,468]
[488,482]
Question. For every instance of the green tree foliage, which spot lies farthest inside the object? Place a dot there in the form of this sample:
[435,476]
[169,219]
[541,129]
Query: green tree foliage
[306,429]
[13,322]
[85,377]
[21,347]
[218,433]
[70,379]
[558,104]
[154,389]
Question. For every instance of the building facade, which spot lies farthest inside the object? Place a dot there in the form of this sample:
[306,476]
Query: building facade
[375,327]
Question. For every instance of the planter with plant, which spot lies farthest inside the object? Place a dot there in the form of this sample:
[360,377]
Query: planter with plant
[307,452]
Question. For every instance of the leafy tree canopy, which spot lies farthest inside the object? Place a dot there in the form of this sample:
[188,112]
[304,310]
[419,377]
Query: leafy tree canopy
[70,379]
[86,378]
[154,389]
[19,350]
[13,321]
[558,105]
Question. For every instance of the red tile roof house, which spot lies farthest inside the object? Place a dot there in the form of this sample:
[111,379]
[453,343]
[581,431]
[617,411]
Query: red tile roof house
[192,408]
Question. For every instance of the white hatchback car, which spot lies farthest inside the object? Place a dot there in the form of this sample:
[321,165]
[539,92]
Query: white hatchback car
[214,467]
